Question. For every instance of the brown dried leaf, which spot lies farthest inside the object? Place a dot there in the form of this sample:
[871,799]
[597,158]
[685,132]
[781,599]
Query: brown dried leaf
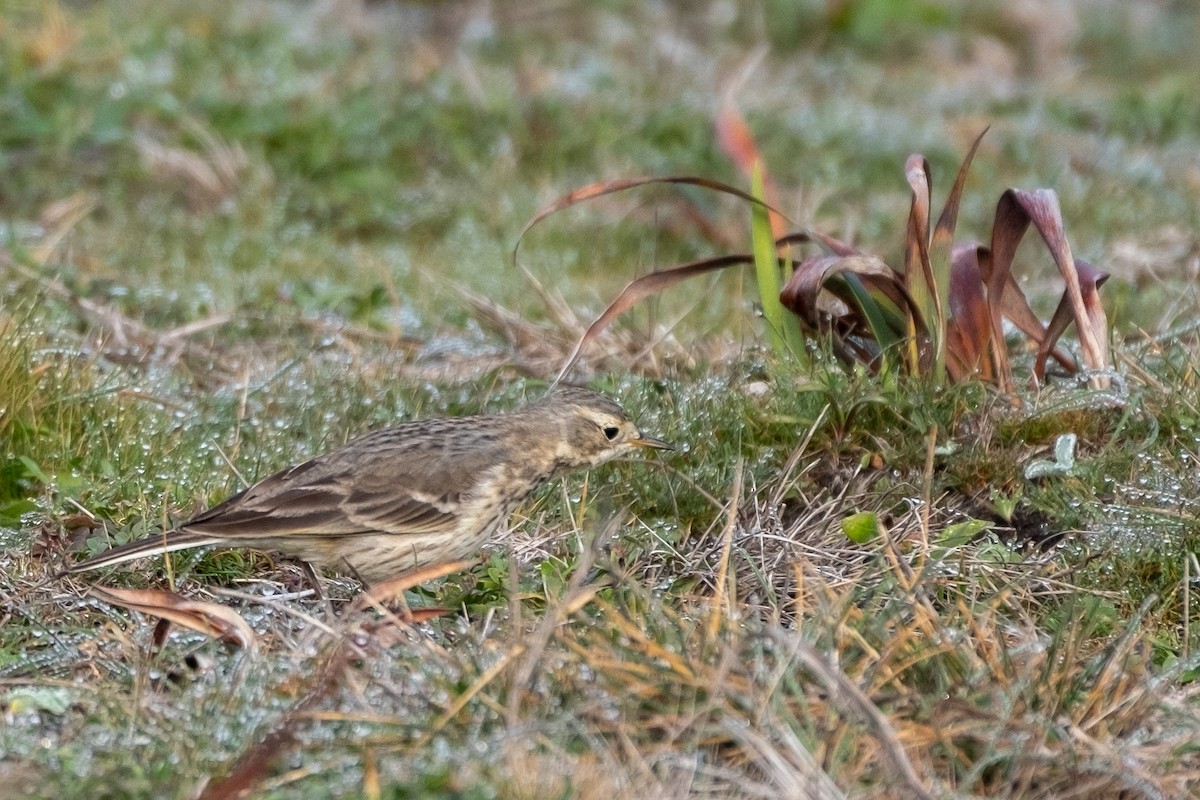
[211,619]
[1090,281]
[603,188]
[647,285]
[969,331]
[804,287]
[1014,212]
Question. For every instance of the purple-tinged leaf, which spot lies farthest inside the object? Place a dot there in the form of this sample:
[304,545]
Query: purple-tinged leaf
[1090,281]
[803,288]
[927,325]
[969,334]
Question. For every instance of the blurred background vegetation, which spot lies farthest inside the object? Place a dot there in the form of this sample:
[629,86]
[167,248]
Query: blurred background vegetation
[233,234]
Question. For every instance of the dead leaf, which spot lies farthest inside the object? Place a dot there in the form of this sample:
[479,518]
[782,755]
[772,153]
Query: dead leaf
[1015,211]
[1090,281]
[211,619]
[649,284]
[603,188]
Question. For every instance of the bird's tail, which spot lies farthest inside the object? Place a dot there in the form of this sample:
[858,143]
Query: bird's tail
[167,542]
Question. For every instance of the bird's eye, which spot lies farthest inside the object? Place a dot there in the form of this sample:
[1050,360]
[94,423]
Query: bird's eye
[611,432]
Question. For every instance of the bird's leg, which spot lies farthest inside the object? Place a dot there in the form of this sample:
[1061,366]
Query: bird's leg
[311,574]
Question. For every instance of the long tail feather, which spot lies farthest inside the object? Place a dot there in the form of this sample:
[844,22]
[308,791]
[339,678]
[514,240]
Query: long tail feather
[150,546]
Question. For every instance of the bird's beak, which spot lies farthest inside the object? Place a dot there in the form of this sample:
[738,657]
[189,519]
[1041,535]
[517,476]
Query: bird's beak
[651,442]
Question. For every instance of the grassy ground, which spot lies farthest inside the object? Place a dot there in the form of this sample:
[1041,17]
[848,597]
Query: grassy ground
[236,234]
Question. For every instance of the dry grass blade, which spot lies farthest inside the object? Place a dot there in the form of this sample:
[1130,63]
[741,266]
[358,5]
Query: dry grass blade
[252,766]
[460,702]
[210,619]
[206,177]
[722,602]
[577,595]
[394,588]
[841,687]
[793,768]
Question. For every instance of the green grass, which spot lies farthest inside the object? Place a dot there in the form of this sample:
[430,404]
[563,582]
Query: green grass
[315,191]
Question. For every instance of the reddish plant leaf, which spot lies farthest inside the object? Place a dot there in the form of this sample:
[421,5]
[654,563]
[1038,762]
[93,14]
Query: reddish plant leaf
[1090,281]
[835,246]
[943,234]
[804,286]
[918,272]
[736,139]
[969,333]
[655,282]
[603,188]
[916,239]
[647,285]
[1015,308]
[965,344]
[211,619]
[1008,227]
[1014,212]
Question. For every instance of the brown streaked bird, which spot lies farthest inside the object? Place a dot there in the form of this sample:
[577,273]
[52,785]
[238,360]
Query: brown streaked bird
[410,496]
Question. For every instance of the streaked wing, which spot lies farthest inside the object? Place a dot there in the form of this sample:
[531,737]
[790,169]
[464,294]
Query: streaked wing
[400,513]
[380,489]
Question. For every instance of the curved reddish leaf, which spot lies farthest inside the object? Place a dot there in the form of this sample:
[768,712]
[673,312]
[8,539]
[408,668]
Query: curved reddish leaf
[1090,281]
[736,139]
[928,317]
[834,246]
[1008,226]
[1015,211]
[943,234]
[603,188]
[1016,309]
[645,286]
[802,289]
[916,240]
[969,332]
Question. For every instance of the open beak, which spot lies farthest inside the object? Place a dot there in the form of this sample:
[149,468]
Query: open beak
[651,442]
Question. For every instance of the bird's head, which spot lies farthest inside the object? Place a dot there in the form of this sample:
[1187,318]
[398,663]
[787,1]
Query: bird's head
[596,428]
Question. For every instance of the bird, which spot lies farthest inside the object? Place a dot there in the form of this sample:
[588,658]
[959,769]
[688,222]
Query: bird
[417,494]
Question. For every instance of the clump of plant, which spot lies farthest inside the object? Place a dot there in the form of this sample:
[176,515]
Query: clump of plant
[939,316]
